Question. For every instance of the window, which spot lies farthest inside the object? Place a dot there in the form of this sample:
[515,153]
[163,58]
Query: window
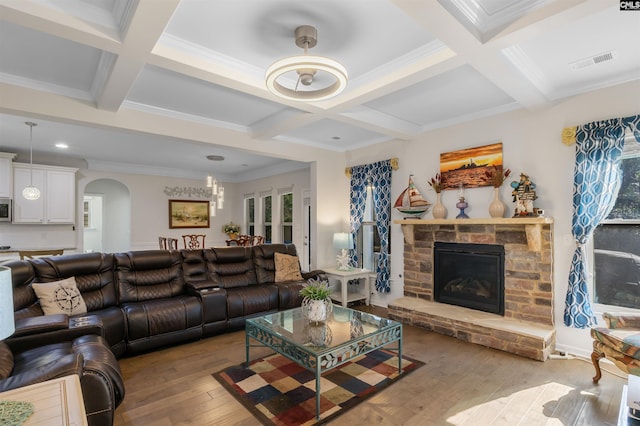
[266,216]
[250,215]
[286,201]
[368,238]
[616,242]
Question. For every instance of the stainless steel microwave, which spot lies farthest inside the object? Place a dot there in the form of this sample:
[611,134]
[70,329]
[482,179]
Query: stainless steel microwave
[5,209]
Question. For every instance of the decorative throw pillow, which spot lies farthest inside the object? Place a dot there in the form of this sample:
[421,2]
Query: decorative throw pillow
[60,297]
[6,361]
[287,267]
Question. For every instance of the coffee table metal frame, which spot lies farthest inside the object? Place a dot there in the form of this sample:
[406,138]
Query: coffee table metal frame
[319,359]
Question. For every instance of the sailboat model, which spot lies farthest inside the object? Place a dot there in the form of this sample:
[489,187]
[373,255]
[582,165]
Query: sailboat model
[411,202]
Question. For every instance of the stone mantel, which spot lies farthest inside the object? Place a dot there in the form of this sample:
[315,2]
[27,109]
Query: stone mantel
[533,226]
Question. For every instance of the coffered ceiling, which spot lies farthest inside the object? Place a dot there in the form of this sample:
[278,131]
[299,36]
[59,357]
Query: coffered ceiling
[107,76]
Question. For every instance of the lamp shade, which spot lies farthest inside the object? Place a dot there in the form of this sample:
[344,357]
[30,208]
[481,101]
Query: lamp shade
[342,240]
[7,325]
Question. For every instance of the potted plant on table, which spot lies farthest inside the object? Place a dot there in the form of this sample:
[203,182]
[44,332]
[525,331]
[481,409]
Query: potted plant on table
[316,302]
[232,230]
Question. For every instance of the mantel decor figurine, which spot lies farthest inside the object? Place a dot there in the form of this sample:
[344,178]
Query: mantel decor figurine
[411,202]
[523,195]
[461,204]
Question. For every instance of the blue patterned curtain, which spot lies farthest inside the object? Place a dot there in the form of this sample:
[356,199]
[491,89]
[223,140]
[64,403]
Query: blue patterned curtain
[357,204]
[596,182]
[379,175]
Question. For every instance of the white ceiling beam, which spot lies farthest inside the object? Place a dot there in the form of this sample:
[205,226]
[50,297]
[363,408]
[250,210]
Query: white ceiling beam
[485,59]
[145,28]
[59,24]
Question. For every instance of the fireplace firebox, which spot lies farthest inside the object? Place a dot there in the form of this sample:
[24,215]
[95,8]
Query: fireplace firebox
[469,275]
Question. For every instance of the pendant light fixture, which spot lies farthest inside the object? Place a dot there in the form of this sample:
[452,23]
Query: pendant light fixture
[31,192]
[217,191]
[310,70]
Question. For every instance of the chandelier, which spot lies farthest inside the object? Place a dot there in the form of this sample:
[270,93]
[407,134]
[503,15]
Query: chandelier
[285,76]
[217,190]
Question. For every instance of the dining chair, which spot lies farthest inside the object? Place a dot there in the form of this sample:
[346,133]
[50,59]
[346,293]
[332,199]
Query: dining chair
[168,243]
[30,254]
[193,241]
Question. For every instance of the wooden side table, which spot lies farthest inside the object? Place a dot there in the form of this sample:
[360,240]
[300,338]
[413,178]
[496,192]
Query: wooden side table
[344,296]
[56,402]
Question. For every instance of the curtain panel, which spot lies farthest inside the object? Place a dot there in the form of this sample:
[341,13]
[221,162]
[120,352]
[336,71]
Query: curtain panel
[379,176]
[596,182]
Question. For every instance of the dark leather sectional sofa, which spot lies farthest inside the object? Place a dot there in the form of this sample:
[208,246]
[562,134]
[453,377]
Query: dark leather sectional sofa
[139,301]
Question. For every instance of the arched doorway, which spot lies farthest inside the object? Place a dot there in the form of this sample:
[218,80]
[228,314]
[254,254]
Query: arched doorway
[107,216]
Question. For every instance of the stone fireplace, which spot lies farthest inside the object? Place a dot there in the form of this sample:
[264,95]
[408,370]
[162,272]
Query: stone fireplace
[525,325]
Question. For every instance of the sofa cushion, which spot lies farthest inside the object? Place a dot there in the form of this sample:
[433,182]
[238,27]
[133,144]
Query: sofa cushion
[60,297]
[625,341]
[6,361]
[149,275]
[93,273]
[263,257]
[230,267]
[287,268]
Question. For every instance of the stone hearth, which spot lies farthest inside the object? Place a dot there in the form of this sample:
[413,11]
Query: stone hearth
[527,325]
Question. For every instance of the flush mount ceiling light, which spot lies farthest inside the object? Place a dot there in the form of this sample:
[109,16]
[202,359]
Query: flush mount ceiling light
[306,77]
[31,192]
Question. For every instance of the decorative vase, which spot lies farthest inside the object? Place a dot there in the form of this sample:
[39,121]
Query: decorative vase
[319,335]
[497,207]
[316,310]
[439,210]
[232,235]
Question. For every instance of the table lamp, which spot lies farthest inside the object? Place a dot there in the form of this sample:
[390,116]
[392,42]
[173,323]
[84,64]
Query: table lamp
[343,241]
[7,325]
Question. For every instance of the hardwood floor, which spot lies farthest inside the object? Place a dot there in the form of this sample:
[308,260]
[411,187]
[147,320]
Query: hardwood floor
[460,384]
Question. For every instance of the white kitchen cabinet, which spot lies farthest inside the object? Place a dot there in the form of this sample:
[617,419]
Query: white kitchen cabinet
[57,202]
[6,175]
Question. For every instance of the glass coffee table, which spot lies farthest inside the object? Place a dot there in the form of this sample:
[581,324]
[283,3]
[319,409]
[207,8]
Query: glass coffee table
[320,347]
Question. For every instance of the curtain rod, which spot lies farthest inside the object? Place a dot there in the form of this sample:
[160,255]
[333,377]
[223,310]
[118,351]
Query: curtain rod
[393,161]
[569,133]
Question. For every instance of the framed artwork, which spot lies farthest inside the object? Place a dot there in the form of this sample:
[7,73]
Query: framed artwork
[470,167]
[188,214]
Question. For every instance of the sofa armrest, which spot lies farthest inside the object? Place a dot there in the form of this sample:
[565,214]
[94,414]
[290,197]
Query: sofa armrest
[621,320]
[200,285]
[48,329]
[41,324]
[63,366]
[318,273]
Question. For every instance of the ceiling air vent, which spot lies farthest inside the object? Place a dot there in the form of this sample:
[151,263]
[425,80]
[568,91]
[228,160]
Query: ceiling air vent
[593,60]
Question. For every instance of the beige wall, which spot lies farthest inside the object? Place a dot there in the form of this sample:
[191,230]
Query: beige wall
[531,144]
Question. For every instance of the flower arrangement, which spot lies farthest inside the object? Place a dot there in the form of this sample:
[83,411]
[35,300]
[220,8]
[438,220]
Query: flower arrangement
[436,183]
[316,289]
[231,228]
[496,177]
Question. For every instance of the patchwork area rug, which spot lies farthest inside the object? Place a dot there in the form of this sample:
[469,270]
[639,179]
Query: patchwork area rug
[279,392]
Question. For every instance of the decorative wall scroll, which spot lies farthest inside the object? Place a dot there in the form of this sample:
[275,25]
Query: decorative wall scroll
[188,191]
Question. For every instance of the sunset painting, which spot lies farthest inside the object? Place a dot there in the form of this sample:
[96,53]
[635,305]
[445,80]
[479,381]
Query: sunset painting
[469,166]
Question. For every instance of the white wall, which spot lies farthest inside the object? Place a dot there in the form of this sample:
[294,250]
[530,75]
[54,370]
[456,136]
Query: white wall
[531,144]
[149,207]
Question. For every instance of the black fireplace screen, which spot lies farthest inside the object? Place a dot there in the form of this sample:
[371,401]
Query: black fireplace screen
[470,275]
